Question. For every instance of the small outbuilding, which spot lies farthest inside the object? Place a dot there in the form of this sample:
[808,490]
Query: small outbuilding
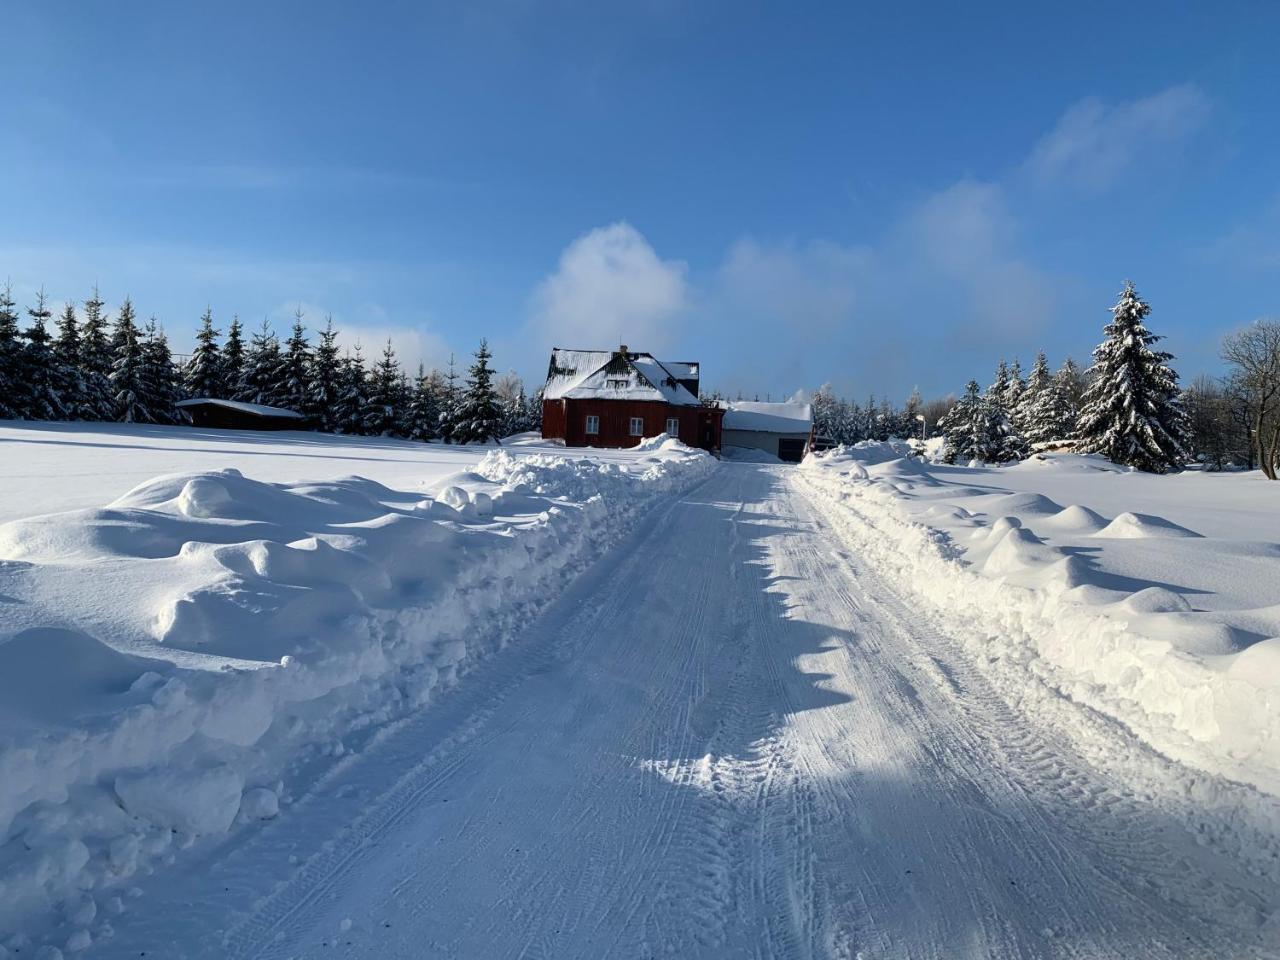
[784,430]
[237,415]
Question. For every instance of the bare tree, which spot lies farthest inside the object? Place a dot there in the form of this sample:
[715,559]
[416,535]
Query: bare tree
[1254,352]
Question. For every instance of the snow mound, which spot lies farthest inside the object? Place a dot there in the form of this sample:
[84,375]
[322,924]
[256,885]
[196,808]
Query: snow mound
[1139,526]
[1157,600]
[1076,518]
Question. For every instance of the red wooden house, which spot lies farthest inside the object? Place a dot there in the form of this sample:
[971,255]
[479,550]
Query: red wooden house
[603,398]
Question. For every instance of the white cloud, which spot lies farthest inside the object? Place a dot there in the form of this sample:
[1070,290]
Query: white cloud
[611,286]
[1094,143]
[964,240]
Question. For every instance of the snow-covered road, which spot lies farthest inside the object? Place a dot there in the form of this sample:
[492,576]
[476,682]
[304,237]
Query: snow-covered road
[731,738]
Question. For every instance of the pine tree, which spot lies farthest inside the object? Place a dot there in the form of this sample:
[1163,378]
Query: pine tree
[1035,386]
[424,407]
[233,363]
[478,418]
[1131,411]
[386,398]
[1013,392]
[353,398]
[515,413]
[999,387]
[325,380]
[296,392]
[533,414]
[264,374]
[203,376]
[96,362]
[449,402]
[128,369]
[38,390]
[161,376]
[10,357]
[322,403]
[1073,382]
[1048,414]
[911,414]
[977,428]
[66,364]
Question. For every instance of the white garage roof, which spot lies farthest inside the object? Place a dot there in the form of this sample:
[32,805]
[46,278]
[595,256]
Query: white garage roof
[769,417]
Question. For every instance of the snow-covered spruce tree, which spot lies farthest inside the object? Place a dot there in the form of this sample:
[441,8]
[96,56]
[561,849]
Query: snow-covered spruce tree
[97,359]
[68,376]
[322,399]
[296,364]
[352,403]
[424,406]
[1015,389]
[533,411]
[1036,384]
[264,374]
[1131,412]
[515,413]
[386,397]
[478,418]
[128,369]
[233,362]
[449,400]
[1073,382]
[203,374]
[38,387]
[978,429]
[1050,416]
[999,387]
[10,357]
[911,412]
[164,384]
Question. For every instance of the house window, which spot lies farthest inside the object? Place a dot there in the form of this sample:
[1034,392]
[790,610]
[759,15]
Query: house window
[616,384]
[673,426]
[593,425]
[637,426]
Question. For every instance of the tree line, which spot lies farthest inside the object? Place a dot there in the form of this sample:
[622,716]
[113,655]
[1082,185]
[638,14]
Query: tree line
[96,368]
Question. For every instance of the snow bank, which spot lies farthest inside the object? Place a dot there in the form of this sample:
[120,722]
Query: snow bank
[1172,632]
[170,662]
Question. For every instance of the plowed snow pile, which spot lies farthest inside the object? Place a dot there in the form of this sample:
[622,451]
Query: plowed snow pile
[1152,599]
[173,663]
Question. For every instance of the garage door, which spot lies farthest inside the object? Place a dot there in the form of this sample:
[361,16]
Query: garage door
[791,451]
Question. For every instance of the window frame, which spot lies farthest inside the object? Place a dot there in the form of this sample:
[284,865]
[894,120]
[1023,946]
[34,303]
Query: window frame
[592,419]
[636,427]
[676,432]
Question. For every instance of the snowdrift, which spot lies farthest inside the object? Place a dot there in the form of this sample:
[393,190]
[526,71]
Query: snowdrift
[170,662]
[1172,630]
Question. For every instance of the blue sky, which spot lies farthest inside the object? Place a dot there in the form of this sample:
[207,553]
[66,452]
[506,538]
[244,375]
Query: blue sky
[790,193]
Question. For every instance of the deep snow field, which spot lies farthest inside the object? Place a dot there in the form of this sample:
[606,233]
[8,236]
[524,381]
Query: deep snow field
[1152,599]
[1060,670]
[192,622]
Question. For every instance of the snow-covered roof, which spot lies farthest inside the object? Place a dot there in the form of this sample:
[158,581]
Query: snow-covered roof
[682,369]
[255,409]
[610,375]
[768,417]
